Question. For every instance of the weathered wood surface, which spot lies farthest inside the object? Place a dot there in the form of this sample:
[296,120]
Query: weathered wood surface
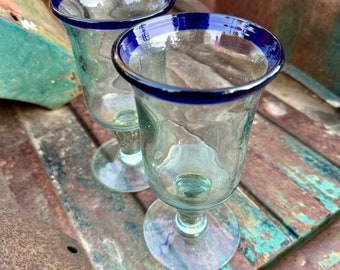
[289,194]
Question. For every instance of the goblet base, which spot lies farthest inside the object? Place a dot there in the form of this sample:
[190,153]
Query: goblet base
[109,170]
[212,249]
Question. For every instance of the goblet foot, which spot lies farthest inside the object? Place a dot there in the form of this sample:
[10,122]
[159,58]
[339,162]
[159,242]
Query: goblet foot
[213,248]
[118,171]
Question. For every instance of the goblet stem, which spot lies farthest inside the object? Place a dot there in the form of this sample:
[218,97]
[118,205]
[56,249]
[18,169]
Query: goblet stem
[129,152]
[191,224]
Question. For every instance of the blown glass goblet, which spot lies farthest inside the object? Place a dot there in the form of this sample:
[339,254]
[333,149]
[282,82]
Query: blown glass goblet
[197,79]
[92,26]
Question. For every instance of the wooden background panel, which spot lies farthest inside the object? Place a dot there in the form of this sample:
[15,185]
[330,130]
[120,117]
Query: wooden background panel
[296,23]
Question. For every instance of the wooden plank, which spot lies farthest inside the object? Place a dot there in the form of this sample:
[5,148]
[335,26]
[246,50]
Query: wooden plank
[310,171]
[24,238]
[27,243]
[302,99]
[322,252]
[313,133]
[261,240]
[112,220]
[106,222]
[192,5]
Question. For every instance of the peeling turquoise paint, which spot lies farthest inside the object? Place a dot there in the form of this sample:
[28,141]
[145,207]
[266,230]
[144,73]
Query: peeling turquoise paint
[332,259]
[131,228]
[297,177]
[320,188]
[304,218]
[227,267]
[327,187]
[250,255]
[265,237]
[312,159]
[332,207]
[322,184]
[274,238]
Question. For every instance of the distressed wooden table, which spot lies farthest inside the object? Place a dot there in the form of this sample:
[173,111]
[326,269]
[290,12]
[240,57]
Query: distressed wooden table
[287,203]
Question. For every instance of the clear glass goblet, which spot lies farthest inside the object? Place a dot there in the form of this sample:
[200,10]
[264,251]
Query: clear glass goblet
[92,26]
[197,79]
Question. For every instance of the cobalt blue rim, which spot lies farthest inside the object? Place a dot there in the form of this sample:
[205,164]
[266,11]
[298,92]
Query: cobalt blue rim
[140,33]
[123,23]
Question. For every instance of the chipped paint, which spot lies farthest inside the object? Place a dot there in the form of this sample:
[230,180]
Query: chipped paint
[261,238]
[334,103]
[45,61]
[321,165]
[276,109]
[227,267]
[303,217]
[28,24]
[297,176]
[331,259]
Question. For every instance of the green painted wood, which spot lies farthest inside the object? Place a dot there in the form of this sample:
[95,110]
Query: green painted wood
[306,168]
[316,135]
[261,239]
[297,210]
[37,64]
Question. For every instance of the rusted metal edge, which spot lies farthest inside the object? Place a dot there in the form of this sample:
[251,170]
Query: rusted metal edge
[27,242]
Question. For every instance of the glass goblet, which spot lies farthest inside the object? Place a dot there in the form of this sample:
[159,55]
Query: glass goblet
[197,79]
[92,26]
